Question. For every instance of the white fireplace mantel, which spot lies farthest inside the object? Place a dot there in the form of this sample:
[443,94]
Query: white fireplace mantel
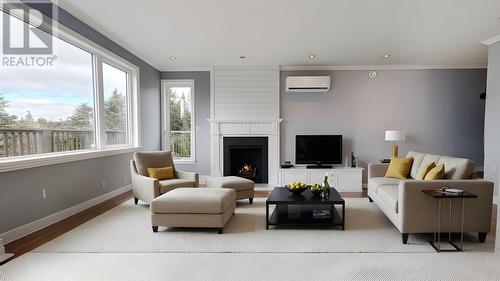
[237,128]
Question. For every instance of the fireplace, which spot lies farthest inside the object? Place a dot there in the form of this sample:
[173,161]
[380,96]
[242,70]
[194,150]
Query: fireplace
[246,157]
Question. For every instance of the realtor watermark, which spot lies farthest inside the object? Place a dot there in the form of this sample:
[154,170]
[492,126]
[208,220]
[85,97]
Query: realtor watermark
[27,33]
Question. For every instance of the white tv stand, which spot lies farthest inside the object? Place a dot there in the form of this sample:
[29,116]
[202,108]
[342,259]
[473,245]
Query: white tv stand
[342,178]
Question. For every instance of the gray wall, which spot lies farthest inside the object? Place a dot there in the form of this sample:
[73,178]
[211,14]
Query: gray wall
[71,183]
[202,104]
[439,110]
[492,126]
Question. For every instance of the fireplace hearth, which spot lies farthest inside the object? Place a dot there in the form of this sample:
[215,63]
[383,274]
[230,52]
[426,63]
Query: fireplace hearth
[246,157]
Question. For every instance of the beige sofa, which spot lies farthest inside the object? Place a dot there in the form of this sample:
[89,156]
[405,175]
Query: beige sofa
[411,211]
[146,188]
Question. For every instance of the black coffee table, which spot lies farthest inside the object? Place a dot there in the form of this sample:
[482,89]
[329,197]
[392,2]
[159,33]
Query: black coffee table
[297,210]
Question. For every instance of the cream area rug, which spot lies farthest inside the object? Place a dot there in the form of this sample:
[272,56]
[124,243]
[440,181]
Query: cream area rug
[127,229]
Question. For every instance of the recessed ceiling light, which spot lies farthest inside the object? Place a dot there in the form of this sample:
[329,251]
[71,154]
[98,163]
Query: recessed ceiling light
[312,56]
[386,56]
[173,58]
[243,57]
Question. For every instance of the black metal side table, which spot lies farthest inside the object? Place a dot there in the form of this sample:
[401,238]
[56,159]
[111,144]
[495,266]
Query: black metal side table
[440,196]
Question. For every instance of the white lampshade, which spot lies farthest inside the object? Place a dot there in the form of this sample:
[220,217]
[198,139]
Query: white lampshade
[395,136]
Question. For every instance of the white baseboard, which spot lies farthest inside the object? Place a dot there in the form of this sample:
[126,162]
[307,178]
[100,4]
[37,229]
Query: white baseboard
[4,257]
[29,228]
[496,199]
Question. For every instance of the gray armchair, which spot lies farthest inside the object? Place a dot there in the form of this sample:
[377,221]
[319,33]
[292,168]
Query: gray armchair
[146,188]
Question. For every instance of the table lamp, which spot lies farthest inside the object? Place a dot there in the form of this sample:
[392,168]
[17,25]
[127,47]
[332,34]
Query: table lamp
[395,136]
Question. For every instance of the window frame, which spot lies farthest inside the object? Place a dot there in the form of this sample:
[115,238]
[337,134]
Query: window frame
[165,116]
[99,55]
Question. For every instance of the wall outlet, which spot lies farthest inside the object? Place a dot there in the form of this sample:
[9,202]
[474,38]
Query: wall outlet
[124,180]
[103,185]
[44,193]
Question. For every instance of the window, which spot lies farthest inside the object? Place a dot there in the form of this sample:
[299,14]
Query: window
[85,100]
[178,119]
[115,105]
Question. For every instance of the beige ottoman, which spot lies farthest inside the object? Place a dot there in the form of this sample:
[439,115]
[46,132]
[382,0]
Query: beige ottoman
[244,187]
[193,207]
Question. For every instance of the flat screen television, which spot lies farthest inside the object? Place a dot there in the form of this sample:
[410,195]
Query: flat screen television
[318,150]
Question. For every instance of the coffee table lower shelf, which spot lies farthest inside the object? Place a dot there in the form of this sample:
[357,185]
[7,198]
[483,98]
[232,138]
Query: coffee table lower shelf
[281,217]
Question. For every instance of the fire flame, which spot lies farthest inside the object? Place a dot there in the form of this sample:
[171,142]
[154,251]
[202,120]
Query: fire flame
[246,168]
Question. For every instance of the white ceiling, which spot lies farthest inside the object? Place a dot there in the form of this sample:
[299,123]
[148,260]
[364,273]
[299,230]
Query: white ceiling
[202,33]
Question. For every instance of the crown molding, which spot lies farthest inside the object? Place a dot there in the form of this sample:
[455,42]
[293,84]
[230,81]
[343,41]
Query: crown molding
[82,16]
[187,69]
[380,67]
[491,40]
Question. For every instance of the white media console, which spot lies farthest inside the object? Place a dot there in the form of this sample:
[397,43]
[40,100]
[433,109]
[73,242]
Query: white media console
[342,178]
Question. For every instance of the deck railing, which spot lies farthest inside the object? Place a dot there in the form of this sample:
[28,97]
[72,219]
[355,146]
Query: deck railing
[180,143]
[17,142]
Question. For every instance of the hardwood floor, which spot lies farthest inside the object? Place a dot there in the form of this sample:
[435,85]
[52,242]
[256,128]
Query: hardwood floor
[36,239]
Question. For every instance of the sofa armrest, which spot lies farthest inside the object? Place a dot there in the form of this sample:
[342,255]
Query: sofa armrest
[188,176]
[144,188]
[417,209]
[376,170]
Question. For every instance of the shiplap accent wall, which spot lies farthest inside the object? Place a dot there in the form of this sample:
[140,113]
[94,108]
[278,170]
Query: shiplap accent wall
[246,93]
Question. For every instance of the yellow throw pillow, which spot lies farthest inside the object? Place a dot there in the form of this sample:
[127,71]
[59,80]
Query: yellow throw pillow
[437,173]
[399,168]
[424,170]
[161,173]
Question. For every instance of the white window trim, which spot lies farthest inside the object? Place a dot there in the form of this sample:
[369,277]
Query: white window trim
[165,116]
[100,54]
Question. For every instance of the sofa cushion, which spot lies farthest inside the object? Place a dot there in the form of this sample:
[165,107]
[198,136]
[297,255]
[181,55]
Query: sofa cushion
[194,201]
[436,173]
[375,183]
[429,158]
[424,170]
[168,185]
[457,168]
[417,162]
[155,159]
[399,168]
[390,194]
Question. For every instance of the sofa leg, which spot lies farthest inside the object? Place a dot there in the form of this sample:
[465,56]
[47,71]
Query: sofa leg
[136,201]
[221,230]
[370,199]
[155,228]
[404,236]
[251,200]
[482,236]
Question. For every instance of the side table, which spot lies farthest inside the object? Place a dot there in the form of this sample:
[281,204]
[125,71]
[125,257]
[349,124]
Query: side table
[439,196]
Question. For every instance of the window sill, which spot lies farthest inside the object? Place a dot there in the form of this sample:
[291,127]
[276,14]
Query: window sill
[33,161]
[184,162]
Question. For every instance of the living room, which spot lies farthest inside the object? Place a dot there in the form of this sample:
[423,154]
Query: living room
[284,140]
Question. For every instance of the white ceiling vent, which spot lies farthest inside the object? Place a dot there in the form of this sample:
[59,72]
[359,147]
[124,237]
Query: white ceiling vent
[308,84]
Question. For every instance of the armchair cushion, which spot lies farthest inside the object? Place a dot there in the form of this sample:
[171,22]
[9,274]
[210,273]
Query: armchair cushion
[161,173]
[168,185]
[155,159]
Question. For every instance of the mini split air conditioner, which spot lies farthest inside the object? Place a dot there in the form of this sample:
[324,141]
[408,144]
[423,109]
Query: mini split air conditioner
[308,84]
